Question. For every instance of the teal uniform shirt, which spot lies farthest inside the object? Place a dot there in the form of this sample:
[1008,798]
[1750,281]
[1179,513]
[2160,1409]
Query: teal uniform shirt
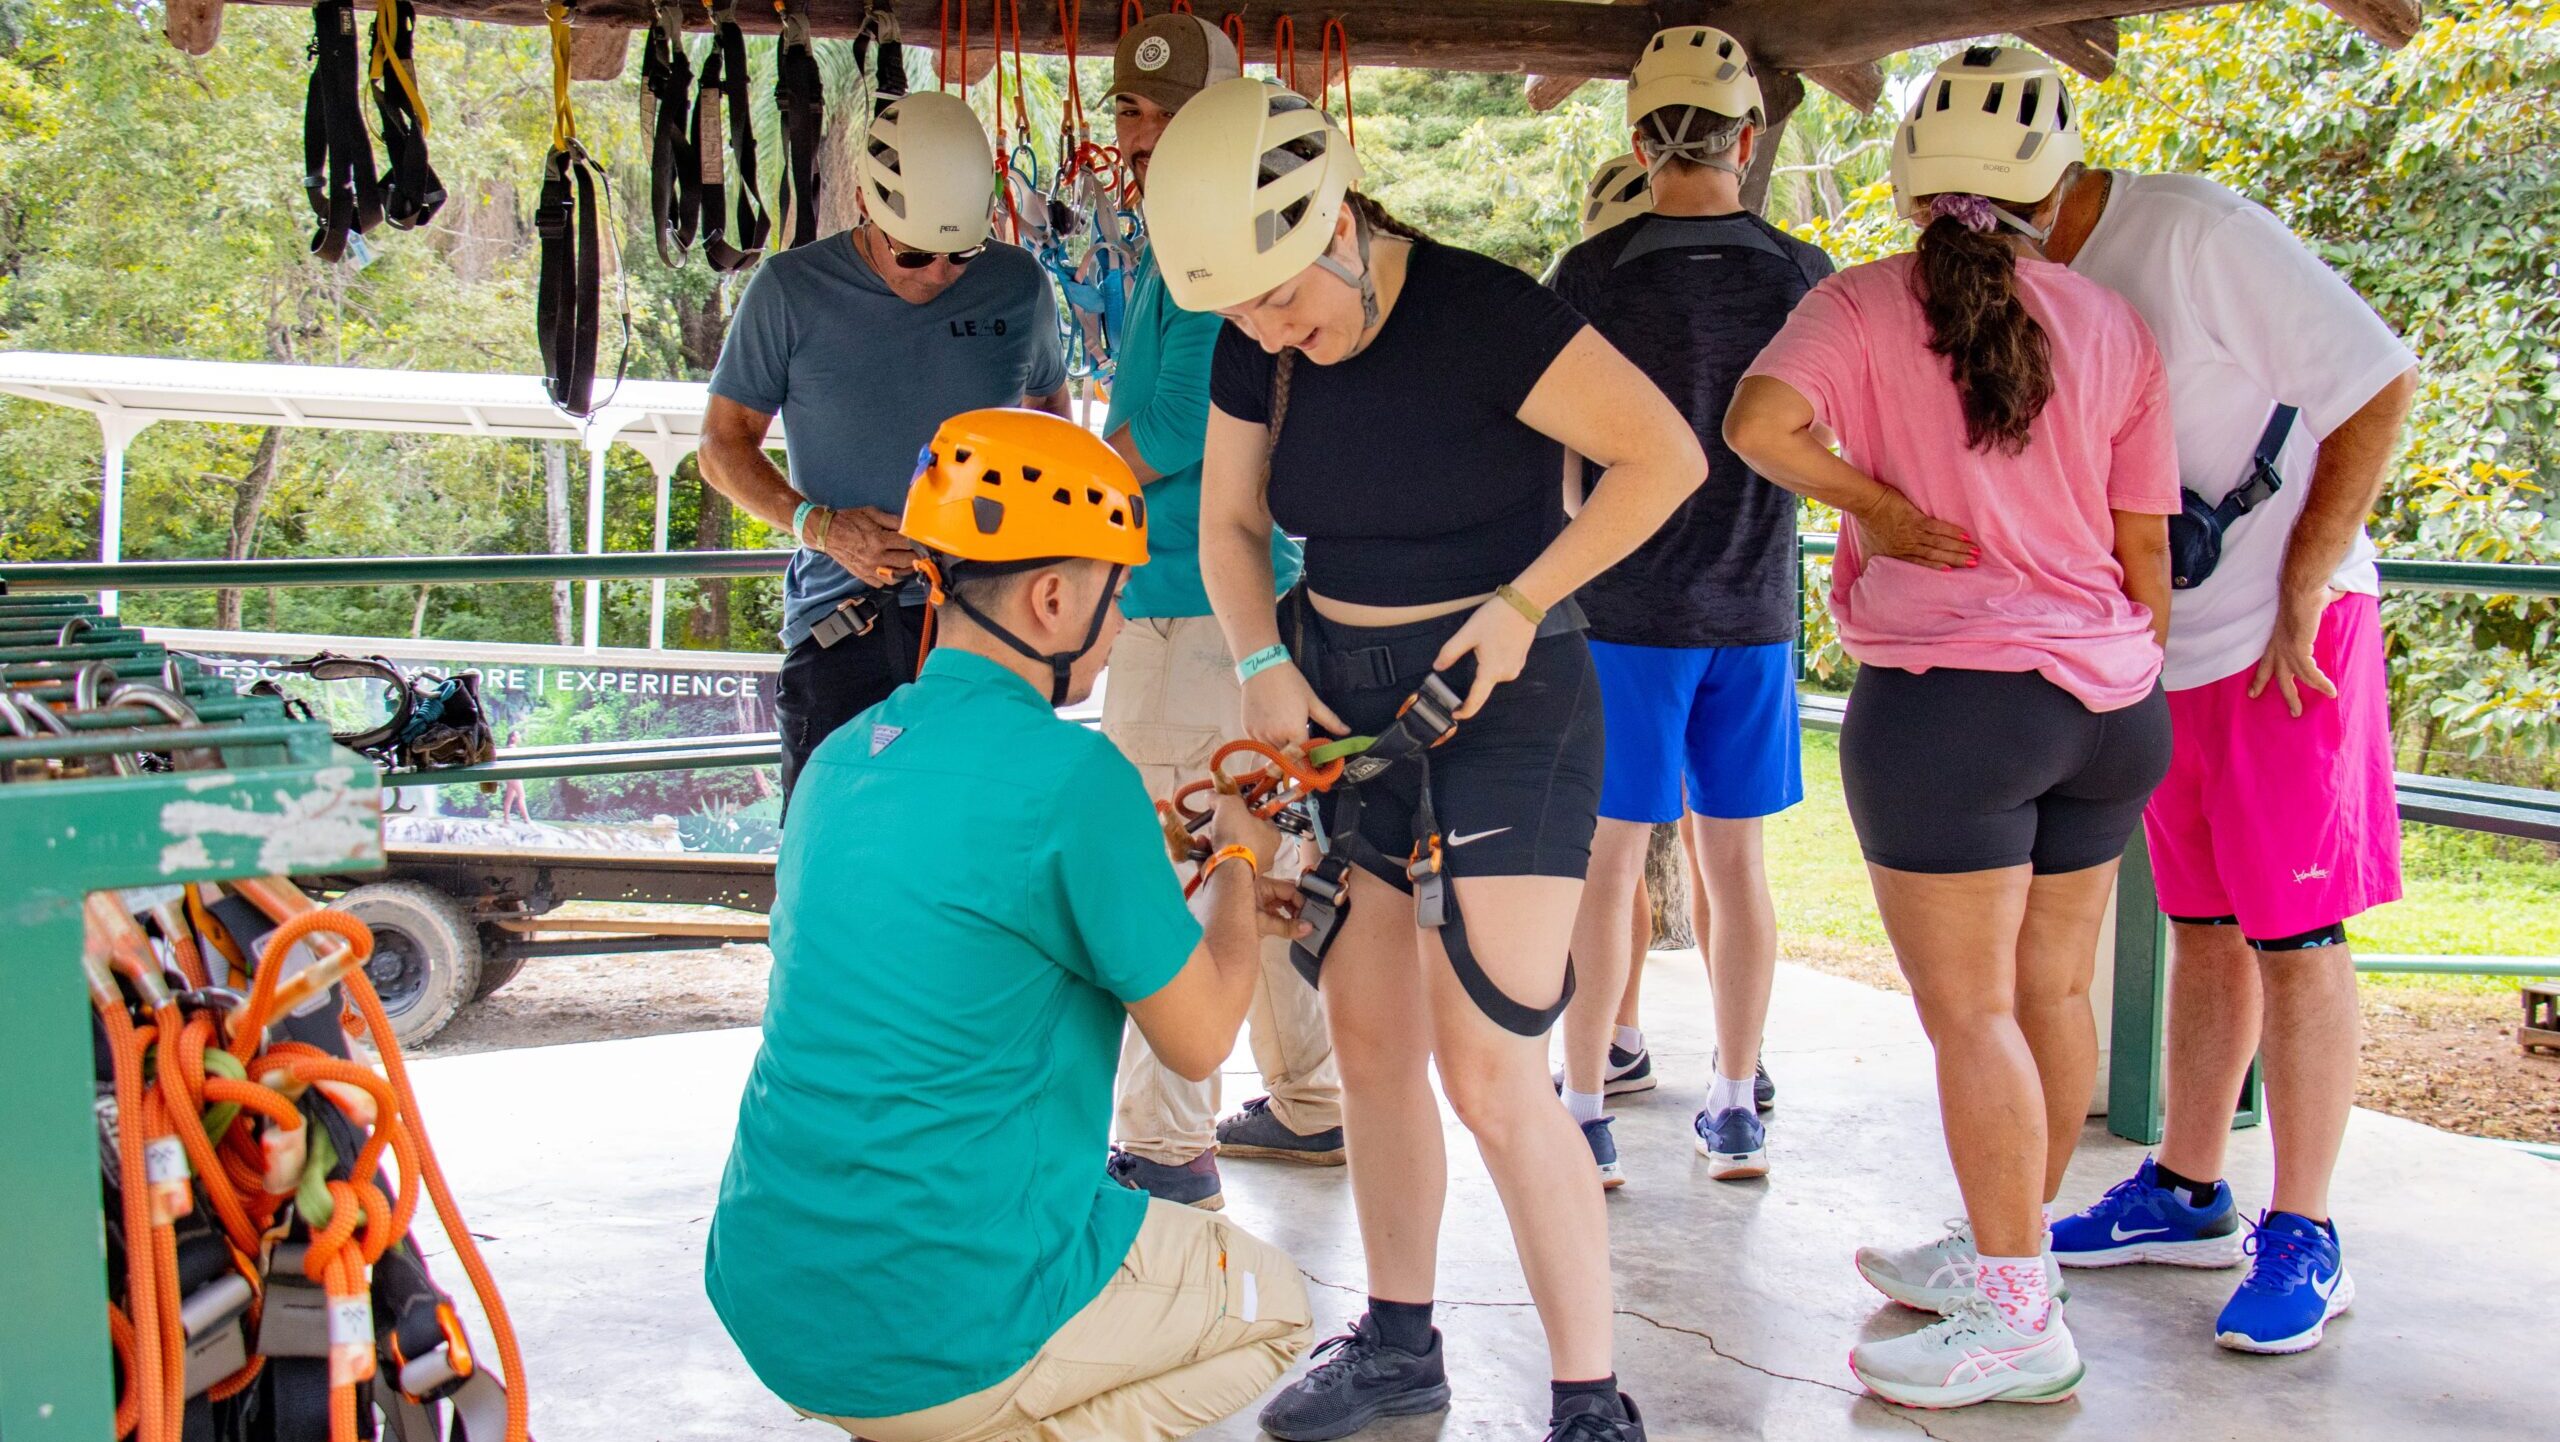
[970,891]
[1160,391]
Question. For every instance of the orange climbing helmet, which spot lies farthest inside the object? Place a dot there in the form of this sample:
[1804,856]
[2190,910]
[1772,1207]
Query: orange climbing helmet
[1005,484]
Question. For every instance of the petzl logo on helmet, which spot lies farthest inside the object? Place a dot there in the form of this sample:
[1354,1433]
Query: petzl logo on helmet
[1198,274]
[1153,53]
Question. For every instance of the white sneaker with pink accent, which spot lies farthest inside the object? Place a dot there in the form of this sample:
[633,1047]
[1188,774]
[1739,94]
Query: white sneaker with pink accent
[1975,1355]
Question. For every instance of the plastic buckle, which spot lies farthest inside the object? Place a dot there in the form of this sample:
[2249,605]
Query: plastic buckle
[295,1320]
[1430,884]
[217,1344]
[1433,710]
[1322,899]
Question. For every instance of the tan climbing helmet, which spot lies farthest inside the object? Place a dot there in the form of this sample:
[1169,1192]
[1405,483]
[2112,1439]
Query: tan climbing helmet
[927,174]
[1244,191]
[1619,191]
[1695,65]
[1994,121]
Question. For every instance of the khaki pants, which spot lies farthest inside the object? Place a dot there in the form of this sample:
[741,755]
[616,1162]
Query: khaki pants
[1171,699]
[1200,1320]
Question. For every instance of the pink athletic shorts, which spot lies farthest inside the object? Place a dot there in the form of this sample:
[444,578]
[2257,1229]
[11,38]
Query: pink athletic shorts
[2287,822]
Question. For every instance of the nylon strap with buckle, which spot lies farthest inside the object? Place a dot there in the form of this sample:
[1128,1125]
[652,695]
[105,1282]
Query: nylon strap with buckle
[569,219]
[675,167]
[724,88]
[800,98]
[411,193]
[337,155]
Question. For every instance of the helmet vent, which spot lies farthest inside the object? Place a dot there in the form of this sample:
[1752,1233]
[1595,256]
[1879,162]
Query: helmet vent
[2028,94]
[1946,93]
[1031,474]
[1983,56]
[1117,519]
[2061,112]
[1061,496]
[989,514]
[1137,508]
[1697,39]
[991,477]
[960,455]
[1991,101]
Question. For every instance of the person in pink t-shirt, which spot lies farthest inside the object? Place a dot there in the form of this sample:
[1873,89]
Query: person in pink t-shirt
[2007,468]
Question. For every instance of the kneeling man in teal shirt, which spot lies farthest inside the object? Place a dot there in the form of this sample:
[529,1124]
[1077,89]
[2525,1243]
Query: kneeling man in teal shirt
[916,1238]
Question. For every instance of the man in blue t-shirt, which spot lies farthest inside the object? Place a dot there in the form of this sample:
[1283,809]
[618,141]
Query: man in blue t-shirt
[920,1251]
[1693,635]
[862,343]
[1173,694]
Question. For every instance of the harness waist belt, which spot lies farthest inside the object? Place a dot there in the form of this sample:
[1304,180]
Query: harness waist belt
[1403,659]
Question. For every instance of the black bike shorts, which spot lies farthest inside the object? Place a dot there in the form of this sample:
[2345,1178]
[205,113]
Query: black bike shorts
[1949,770]
[1516,790]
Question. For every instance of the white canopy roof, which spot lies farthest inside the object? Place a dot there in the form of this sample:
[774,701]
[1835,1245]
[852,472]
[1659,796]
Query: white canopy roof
[660,419]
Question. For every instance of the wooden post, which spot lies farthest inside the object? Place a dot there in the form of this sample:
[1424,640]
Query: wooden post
[1781,92]
[596,52]
[1860,85]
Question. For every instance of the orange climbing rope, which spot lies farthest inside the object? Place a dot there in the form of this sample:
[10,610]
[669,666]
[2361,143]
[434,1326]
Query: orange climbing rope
[1335,32]
[1284,52]
[943,72]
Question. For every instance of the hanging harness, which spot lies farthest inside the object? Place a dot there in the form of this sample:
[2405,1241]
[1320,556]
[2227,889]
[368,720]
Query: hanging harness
[411,193]
[337,155]
[569,219]
[724,87]
[800,98]
[1284,792]
[436,723]
[675,167]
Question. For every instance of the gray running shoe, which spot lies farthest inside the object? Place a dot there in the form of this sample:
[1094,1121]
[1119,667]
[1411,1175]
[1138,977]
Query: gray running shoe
[1357,1380]
[1193,1184]
[1588,1419]
[1255,1132]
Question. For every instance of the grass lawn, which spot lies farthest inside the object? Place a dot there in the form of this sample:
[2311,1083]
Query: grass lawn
[2467,894]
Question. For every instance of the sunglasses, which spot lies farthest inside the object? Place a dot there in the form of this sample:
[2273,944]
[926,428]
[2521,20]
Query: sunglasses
[919,259]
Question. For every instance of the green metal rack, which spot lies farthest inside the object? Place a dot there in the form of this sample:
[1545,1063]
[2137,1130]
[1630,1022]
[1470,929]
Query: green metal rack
[285,800]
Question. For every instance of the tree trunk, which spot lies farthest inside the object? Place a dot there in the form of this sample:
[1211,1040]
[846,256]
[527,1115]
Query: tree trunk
[1666,878]
[701,325]
[555,526]
[248,505]
[714,517]
[418,616]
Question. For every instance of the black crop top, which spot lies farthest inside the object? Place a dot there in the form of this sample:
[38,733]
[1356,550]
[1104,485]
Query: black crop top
[1406,467]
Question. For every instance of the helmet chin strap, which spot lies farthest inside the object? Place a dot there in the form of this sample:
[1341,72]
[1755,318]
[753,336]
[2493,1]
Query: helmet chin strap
[1060,663]
[1364,280]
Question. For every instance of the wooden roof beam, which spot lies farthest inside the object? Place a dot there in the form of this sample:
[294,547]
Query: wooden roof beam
[2392,22]
[1860,85]
[2087,46]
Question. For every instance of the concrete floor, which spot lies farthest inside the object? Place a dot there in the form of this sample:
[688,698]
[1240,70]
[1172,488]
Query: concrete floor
[589,1171]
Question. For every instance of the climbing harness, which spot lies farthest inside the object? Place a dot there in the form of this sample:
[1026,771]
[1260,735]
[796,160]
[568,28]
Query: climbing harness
[411,193]
[675,167]
[889,81]
[337,155]
[800,99]
[1283,792]
[570,219]
[437,722]
[724,88]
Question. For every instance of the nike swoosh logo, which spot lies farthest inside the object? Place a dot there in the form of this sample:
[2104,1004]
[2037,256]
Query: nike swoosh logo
[2120,1234]
[2323,1289]
[1457,840]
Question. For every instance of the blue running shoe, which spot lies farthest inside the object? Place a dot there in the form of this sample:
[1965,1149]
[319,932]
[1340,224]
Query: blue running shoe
[1734,1142]
[1604,1152]
[2139,1220]
[2297,1281]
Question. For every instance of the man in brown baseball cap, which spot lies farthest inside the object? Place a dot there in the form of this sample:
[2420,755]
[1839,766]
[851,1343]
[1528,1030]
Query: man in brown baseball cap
[1173,694]
[1160,64]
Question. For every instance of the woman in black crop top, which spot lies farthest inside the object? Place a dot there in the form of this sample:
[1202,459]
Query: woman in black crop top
[1401,405]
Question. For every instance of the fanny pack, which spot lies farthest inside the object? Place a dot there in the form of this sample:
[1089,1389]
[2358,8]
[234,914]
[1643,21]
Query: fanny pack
[436,723]
[2195,534]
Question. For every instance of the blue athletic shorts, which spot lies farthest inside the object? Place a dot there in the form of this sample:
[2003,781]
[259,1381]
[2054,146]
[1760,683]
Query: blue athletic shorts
[1714,723]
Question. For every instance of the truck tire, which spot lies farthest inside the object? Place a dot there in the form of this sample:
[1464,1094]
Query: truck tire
[496,971]
[426,954]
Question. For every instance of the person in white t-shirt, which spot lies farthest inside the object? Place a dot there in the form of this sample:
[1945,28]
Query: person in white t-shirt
[2277,821]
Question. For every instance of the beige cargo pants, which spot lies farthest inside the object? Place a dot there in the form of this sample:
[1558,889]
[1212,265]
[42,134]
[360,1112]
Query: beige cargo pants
[1169,700]
[1199,1321]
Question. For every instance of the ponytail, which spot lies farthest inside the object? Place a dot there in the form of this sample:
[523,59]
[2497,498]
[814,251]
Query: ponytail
[1967,283]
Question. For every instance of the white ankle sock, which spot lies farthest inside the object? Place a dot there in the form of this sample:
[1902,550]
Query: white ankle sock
[1630,1039]
[1582,1106]
[2019,1288]
[1724,1094]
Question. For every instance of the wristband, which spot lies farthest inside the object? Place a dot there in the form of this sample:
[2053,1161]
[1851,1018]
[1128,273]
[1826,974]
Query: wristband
[1512,596]
[1231,853]
[1261,661]
[800,519]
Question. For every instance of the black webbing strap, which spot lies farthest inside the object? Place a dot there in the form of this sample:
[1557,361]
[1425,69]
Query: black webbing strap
[800,98]
[2263,480]
[568,302]
[337,155]
[1324,890]
[889,80]
[724,88]
[675,169]
[411,193]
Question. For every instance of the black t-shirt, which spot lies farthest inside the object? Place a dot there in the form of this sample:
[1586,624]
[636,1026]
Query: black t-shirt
[1691,300]
[1406,467]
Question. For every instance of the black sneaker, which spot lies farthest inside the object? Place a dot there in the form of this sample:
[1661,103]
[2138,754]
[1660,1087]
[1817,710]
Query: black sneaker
[1357,1380]
[1255,1132]
[1589,1419]
[1628,1072]
[1764,1092]
[1193,1184]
